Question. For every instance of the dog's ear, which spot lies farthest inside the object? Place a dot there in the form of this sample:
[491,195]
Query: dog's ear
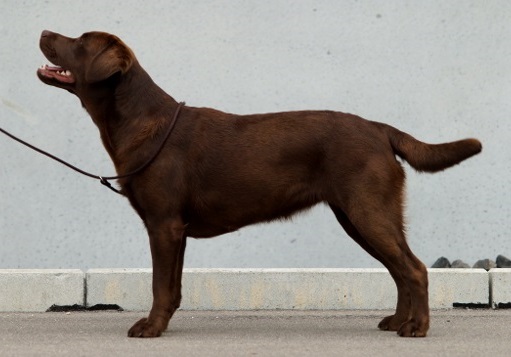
[115,57]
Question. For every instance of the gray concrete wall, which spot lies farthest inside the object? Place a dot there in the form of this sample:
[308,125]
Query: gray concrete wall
[436,69]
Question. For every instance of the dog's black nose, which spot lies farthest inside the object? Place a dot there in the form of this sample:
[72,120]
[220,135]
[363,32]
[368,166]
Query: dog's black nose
[45,33]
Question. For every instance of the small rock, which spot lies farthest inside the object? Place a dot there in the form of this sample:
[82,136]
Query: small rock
[458,263]
[441,262]
[486,264]
[503,262]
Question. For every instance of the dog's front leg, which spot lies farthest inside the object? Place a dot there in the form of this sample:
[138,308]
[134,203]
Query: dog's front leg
[168,242]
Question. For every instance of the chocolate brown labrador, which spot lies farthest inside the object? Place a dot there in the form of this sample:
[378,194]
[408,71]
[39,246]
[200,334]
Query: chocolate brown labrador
[218,172]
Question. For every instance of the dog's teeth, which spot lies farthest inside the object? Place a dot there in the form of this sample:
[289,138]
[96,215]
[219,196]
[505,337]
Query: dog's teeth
[68,73]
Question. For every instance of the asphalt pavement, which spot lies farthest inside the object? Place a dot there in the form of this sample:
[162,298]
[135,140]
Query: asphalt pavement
[456,332]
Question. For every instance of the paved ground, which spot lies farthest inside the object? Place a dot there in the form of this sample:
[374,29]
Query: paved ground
[258,333]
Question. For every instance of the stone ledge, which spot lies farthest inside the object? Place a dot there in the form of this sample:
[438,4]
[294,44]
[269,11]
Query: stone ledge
[35,290]
[500,287]
[246,289]
[301,289]
[448,287]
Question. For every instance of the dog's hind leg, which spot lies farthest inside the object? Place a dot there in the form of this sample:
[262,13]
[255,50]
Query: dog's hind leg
[378,222]
[370,207]
[168,242]
[403,307]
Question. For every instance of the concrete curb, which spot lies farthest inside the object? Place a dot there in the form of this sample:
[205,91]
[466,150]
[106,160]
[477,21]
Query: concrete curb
[300,289]
[500,287]
[128,288]
[248,289]
[36,289]
[449,287]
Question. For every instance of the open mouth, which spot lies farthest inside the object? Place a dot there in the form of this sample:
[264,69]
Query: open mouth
[56,72]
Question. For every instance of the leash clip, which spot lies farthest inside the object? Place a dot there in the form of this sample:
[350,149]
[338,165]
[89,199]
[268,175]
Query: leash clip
[105,182]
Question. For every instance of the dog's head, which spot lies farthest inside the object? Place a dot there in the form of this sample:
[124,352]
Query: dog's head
[78,63]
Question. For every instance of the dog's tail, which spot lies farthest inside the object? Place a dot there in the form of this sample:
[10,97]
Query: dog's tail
[431,157]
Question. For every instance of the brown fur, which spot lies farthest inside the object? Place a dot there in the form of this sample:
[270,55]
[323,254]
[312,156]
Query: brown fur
[219,172]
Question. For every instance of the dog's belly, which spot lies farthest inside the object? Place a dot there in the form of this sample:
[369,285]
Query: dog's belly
[205,230]
[231,214]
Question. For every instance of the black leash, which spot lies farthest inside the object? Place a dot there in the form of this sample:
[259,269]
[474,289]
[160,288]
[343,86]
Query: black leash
[104,179]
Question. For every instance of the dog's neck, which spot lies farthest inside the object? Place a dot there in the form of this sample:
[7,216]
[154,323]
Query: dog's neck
[137,108]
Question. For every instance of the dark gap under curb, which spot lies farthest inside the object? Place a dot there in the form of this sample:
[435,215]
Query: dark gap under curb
[504,305]
[76,307]
[460,305]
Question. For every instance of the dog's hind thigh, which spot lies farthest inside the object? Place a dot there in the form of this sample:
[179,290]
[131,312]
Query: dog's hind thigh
[371,211]
[403,307]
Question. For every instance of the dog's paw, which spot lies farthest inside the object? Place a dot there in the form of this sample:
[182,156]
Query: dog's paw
[391,323]
[413,328]
[146,328]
